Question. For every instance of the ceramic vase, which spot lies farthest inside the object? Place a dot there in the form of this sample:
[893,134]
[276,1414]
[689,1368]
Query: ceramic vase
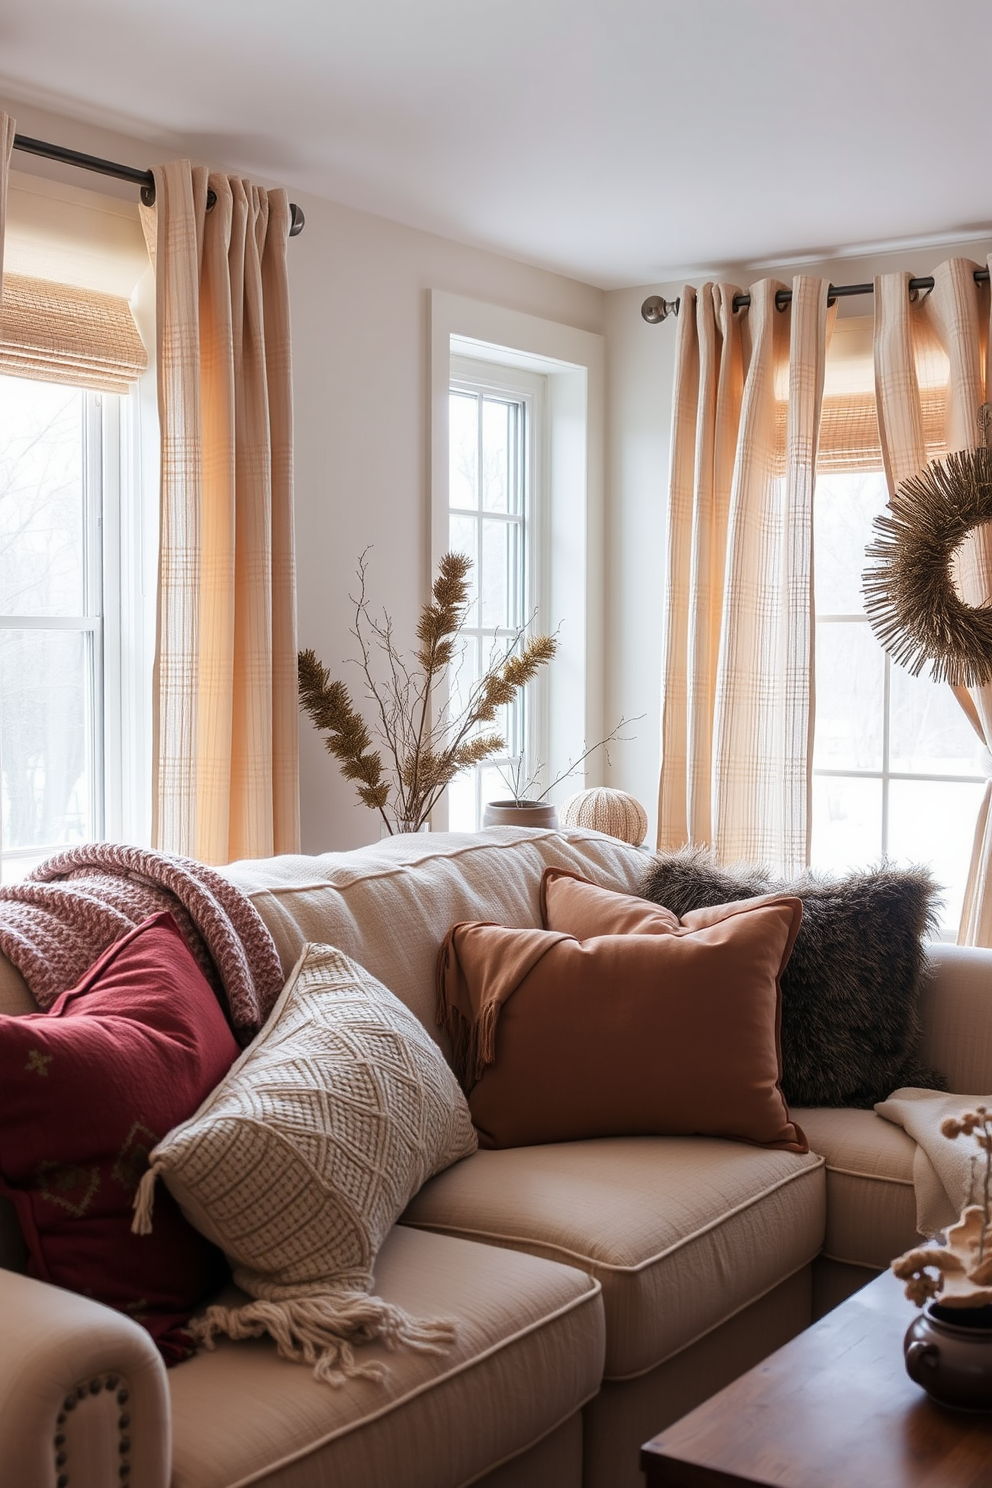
[949,1352]
[520,814]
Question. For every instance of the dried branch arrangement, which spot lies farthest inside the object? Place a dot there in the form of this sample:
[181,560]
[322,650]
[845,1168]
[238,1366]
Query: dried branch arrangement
[415,747]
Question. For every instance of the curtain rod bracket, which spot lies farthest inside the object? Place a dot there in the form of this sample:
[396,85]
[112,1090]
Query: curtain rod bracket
[655,309]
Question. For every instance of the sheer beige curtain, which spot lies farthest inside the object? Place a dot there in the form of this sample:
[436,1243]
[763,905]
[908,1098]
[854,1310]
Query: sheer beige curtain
[940,344]
[225,749]
[7,131]
[736,711]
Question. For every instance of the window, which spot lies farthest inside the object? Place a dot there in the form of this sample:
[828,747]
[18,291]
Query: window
[494,420]
[59,501]
[896,765]
[77,546]
[562,575]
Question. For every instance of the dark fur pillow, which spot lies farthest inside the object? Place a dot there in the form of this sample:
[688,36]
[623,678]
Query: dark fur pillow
[850,993]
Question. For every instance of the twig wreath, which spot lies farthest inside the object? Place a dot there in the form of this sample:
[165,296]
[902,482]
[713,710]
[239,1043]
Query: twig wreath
[910,598]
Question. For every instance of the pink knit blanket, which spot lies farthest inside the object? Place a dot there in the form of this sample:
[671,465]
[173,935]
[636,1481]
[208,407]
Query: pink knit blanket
[55,923]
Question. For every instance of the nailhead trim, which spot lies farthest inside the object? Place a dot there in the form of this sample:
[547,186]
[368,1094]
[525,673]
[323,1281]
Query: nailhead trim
[94,1386]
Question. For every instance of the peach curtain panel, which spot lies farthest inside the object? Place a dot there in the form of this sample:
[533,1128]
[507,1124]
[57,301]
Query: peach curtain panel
[941,342]
[7,131]
[738,662]
[226,731]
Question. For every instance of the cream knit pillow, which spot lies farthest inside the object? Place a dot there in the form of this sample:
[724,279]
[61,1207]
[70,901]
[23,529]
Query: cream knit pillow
[301,1159]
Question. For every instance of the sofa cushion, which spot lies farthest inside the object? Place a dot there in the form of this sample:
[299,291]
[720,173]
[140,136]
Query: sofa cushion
[871,1202]
[88,1088]
[391,904]
[622,1035]
[298,1163]
[682,1232]
[528,1354]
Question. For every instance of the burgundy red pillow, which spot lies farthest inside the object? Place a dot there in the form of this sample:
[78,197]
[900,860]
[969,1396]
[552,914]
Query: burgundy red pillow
[88,1088]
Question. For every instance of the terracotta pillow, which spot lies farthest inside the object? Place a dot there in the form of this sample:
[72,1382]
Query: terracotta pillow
[624,1034]
[89,1087]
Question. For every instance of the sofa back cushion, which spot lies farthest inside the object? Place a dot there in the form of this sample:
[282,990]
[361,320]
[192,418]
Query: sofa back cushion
[389,906]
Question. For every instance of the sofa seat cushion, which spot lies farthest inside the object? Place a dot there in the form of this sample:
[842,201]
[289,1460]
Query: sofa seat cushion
[528,1354]
[871,1202]
[682,1232]
[390,905]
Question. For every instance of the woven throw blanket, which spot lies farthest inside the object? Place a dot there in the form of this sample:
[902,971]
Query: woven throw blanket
[55,923]
[941,1165]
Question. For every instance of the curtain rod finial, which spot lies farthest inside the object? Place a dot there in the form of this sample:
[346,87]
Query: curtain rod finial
[655,309]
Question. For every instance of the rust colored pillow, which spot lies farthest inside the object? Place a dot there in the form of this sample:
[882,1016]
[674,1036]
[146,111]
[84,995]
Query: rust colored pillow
[623,1034]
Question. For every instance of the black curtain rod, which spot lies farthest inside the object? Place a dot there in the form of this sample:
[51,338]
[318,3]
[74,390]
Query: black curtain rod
[142,178]
[655,309]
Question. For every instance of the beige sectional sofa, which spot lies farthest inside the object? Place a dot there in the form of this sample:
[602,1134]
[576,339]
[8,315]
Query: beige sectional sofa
[601,1288]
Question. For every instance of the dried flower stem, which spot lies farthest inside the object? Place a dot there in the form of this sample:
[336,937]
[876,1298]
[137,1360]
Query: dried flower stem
[425,745]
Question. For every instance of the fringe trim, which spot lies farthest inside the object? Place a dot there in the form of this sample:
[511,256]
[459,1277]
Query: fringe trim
[144,1202]
[322,1331]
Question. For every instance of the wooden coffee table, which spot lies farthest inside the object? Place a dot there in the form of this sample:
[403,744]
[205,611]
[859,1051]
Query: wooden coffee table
[834,1408]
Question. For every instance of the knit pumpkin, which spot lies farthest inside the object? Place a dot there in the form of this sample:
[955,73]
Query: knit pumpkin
[609,811]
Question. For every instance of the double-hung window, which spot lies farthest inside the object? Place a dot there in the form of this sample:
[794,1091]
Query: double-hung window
[74,543]
[897,768]
[495,422]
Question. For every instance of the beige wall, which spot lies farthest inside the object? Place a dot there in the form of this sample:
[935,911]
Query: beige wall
[361,339]
[640,363]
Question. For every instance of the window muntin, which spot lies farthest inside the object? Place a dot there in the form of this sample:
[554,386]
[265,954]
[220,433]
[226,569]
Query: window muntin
[493,435]
[56,501]
[897,768]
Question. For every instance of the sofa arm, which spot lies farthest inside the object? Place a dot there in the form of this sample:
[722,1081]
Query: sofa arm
[82,1392]
[956,1013]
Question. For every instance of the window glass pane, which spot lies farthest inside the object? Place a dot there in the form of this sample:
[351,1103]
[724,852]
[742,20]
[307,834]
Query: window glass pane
[45,738]
[500,590]
[463,537]
[461,803]
[850,673]
[496,454]
[463,450]
[42,552]
[930,734]
[933,822]
[847,822]
[843,509]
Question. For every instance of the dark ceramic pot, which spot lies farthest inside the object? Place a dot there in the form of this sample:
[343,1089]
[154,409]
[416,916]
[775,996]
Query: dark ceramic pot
[949,1352]
[520,814]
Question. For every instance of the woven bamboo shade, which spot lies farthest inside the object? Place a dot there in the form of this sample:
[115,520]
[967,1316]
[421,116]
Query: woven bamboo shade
[61,333]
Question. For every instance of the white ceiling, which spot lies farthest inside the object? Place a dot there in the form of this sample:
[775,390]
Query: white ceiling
[618,141]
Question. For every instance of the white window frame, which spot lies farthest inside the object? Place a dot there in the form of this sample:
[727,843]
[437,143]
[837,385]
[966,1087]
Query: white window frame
[571,587]
[528,391]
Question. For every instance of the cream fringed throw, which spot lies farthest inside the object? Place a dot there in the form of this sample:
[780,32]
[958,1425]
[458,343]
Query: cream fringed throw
[299,1162]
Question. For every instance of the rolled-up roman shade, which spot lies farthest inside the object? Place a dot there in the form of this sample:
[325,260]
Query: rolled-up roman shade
[64,333]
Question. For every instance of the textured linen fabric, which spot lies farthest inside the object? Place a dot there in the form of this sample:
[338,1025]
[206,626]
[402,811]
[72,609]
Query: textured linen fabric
[7,132]
[945,1170]
[391,904]
[736,731]
[226,756]
[871,1200]
[301,1159]
[953,322]
[681,1232]
[528,1353]
[622,1034]
[88,1088]
[954,1011]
